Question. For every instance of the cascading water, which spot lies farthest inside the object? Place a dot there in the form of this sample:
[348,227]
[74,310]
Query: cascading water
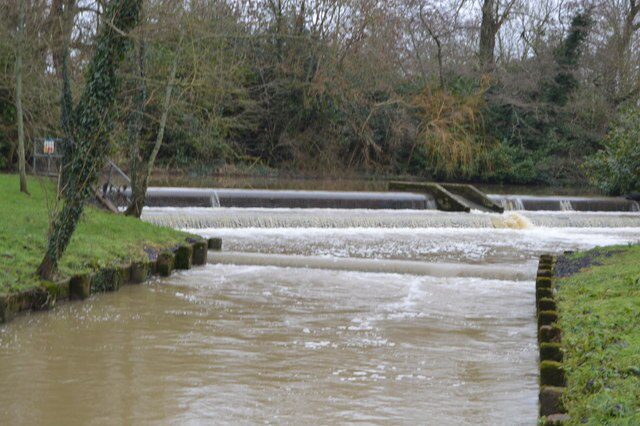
[202,218]
[565,206]
[554,203]
[511,204]
[210,197]
[215,200]
[310,316]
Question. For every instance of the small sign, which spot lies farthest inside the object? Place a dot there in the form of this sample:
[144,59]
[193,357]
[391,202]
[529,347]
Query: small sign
[49,146]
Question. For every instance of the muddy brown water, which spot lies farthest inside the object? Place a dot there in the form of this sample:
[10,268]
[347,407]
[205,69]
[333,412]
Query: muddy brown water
[253,345]
[256,344]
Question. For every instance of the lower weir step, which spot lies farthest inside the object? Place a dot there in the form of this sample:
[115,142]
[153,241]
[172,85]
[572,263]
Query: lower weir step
[499,272]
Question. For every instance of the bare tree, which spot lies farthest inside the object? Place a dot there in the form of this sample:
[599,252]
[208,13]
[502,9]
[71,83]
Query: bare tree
[494,15]
[621,80]
[19,113]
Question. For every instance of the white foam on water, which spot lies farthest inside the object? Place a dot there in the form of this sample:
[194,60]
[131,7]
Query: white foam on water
[470,245]
[201,218]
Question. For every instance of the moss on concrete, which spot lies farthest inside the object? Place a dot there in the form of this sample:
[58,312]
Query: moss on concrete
[543,293]
[544,282]
[552,373]
[80,287]
[139,272]
[547,318]
[549,333]
[107,279]
[183,257]
[547,304]
[215,244]
[57,290]
[165,264]
[551,400]
[199,253]
[550,351]
[545,273]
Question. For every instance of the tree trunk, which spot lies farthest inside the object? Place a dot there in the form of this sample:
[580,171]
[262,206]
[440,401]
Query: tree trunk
[620,68]
[163,119]
[61,14]
[137,166]
[139,189]
[90,127]
[66,101]
[488,30]
[19,113]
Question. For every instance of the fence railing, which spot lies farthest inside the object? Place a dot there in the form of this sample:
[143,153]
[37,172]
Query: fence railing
[115,185]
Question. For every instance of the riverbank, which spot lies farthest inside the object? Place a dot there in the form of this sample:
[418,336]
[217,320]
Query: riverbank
[101,240]
[599,314]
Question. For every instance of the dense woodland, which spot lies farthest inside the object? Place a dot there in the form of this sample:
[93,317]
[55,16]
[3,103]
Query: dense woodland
[512,91]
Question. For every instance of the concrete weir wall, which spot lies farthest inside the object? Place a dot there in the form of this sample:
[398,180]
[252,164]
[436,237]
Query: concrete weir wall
[445,200]
[262,198]
[80,287]
[473,196]
[552,376]
[564,203]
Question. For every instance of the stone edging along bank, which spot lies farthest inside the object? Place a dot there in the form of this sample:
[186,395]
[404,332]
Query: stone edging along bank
[80,287]
[552,377]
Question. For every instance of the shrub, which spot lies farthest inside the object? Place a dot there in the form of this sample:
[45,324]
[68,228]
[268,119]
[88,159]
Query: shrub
[615,169]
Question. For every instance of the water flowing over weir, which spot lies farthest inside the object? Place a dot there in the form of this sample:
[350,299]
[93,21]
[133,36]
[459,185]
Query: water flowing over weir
[309,316]
[499,272]
[201,218]
[554,203]
[261,198]
[211,197]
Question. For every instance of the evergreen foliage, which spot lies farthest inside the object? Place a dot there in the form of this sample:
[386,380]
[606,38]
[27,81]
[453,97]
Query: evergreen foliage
[538,130]
[615,169]
[89,126]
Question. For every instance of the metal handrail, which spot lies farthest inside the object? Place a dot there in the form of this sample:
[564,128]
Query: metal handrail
[116,192]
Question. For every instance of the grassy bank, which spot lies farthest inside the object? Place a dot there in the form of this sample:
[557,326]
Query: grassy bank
[599,303]
[101,239]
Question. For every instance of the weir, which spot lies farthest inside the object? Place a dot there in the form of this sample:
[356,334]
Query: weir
[393,266]
[555,203]
[211,197]
[402,196]
[201,218]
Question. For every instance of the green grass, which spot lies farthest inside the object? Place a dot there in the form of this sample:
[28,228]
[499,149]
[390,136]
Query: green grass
[101,238]
[600,317]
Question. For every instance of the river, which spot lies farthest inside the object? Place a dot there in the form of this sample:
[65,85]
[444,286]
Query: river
[241,341]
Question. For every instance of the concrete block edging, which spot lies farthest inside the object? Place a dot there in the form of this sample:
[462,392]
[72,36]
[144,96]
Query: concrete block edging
[552,375]
[110,278]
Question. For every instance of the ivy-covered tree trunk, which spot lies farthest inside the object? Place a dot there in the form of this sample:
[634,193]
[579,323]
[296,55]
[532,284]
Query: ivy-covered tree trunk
[89,127]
